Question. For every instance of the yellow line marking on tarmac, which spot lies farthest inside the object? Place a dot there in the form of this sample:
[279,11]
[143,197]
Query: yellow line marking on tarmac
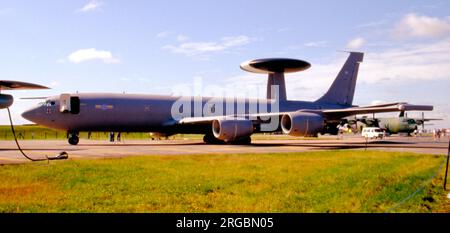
[10,159]
[182,150]
[293,148]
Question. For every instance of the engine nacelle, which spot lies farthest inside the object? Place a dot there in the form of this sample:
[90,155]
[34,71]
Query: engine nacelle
[6,101]
[302,124]
[231,129]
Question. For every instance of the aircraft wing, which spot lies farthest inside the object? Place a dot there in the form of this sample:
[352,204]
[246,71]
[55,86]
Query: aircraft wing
[420,121]
[16,85]
[199,120]
[331,114]
[341,113]
[256,116]
[383,105]
[209,119]
[328,115]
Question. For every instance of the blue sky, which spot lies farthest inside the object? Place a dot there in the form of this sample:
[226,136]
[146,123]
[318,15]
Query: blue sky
[156,46]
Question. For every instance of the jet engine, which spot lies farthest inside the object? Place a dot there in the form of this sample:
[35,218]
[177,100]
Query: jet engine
[302,124]
[231,129]
[6,101]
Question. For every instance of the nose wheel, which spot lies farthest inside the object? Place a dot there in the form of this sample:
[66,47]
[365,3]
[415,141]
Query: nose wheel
[73,138]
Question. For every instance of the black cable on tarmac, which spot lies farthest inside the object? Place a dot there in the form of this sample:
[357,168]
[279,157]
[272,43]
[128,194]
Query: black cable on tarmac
[61,155]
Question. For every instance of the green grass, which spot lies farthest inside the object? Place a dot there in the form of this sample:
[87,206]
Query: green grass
[30,132]
[332,181]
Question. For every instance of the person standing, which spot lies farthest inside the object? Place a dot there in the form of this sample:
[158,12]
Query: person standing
[111,136]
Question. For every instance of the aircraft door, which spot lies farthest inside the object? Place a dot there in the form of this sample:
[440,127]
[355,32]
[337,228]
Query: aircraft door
[75,105]
[69,104]
[64,103]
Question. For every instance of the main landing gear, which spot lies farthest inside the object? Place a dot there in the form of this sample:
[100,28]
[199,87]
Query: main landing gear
[73,138]
[210,139]
[242,141]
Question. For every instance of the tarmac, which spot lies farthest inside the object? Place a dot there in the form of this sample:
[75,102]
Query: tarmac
[104,149]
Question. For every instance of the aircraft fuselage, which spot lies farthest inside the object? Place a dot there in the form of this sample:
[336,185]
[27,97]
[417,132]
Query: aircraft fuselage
[149,113]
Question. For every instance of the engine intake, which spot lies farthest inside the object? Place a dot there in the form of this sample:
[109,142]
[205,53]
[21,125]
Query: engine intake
[231,129]
[302,124]
[5,101]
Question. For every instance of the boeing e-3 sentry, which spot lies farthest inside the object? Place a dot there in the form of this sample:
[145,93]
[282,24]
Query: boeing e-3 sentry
[220,120]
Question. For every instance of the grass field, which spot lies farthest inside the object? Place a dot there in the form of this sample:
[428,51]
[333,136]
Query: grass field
[331,181]
[30,132]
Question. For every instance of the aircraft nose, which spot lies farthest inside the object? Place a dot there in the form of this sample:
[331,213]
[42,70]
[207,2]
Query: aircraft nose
[31,114]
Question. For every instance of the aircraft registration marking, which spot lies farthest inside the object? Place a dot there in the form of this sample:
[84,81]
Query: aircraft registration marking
[104,106]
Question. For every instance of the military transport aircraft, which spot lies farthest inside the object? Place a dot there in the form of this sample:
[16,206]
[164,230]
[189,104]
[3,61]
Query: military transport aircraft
[221,120]
[392,125]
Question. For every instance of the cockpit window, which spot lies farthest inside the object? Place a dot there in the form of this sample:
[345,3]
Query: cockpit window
[48,103]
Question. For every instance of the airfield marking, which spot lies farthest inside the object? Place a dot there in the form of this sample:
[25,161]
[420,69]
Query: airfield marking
[10,159]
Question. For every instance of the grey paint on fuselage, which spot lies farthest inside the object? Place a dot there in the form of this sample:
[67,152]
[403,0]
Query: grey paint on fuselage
[141,113]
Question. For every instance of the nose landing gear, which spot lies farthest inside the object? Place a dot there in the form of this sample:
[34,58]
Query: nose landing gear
[73,138]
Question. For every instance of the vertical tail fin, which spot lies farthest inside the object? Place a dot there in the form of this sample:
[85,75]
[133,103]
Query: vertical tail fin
[343,88]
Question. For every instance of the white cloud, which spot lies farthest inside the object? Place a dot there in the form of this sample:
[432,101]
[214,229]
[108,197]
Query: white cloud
[90,6]
[409,62]
[83,55]
[402,65]
[182,38]
[356,43]
[54,84]
[197,48]
[235,41]
[413,25]
[377,102]
[285,29]
[372,24]
[315,44]
[162,34]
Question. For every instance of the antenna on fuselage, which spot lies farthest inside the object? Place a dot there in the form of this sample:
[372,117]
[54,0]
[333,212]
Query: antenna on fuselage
[275,68]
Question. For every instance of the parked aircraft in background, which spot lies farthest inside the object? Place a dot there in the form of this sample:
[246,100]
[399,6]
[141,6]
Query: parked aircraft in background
[392,125]
[221,120]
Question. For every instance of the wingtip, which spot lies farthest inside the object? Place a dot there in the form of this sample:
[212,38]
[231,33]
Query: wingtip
[11,85]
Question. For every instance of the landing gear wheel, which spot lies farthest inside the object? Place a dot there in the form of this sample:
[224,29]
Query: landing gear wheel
[242,141]
[73,139]
[210,139]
